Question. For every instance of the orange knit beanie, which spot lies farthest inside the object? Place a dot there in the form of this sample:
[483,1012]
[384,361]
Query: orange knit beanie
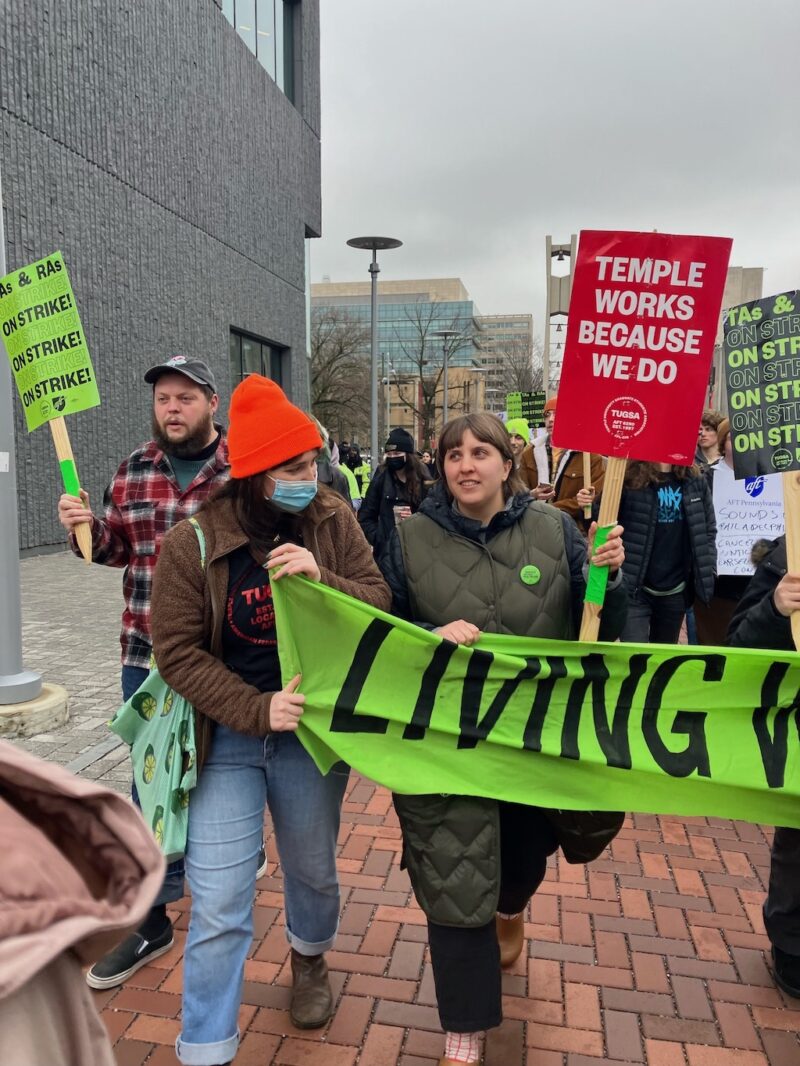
[551,404]
[265,429]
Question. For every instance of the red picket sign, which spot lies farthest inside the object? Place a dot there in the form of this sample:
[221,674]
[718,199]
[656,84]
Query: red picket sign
[643,319]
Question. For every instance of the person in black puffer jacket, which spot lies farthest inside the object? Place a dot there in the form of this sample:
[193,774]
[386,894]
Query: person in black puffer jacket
[670,548]
[481,555]
[762,619]
[399,483]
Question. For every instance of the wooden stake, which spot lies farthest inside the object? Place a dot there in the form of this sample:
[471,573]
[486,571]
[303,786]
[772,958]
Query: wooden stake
[587,481]
[609,507]
[66,460]
[791,516]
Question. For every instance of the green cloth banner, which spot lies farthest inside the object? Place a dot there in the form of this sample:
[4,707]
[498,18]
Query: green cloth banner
[662,729]
[45,341]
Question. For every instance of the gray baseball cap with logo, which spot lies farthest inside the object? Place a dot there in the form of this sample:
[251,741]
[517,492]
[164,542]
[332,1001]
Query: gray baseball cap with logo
[195,369]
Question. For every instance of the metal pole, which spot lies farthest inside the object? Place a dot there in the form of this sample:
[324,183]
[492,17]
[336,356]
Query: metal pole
[446,353]
[17,685]
[374,270]
[388,401]
[548,253]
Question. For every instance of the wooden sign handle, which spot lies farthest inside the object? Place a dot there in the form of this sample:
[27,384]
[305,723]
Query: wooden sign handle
[66,460]
[791,516]
[587,481]
[609,507]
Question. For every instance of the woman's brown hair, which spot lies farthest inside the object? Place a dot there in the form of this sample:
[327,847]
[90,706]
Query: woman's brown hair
[640,474]
[489,430]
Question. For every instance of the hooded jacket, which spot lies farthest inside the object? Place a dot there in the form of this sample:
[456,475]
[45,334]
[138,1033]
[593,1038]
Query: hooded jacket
[80,870]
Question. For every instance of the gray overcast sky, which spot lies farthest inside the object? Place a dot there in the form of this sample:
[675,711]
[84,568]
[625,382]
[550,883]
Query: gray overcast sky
[470,129]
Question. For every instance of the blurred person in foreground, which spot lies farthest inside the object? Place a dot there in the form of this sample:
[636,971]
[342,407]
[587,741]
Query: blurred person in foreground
[80,870]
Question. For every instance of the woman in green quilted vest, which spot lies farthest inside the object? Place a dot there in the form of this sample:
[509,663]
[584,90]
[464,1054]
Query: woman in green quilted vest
[482,556]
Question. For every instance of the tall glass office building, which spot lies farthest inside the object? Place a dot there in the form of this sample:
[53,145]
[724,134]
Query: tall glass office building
[409,314]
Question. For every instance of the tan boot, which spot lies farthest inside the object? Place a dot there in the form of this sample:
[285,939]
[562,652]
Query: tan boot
[312,999]
[510,937]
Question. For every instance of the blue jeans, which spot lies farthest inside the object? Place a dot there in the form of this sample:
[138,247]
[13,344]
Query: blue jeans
[226,821]
[172,888]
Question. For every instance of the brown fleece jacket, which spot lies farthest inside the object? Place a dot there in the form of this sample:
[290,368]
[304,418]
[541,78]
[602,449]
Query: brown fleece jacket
[188,606]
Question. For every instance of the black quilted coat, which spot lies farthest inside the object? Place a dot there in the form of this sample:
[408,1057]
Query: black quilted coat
[638,511]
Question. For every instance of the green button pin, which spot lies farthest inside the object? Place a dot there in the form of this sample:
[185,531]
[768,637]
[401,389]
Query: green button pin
[530,575]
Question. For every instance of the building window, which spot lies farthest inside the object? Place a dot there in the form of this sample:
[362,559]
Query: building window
[267,28]
[253,355]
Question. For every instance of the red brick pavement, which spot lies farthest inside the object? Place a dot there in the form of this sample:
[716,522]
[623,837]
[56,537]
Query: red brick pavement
[656,954]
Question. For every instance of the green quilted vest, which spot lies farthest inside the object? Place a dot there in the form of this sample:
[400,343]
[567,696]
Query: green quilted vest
[518,583]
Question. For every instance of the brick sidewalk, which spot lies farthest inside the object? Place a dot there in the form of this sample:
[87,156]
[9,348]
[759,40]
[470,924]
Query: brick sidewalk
[654,955]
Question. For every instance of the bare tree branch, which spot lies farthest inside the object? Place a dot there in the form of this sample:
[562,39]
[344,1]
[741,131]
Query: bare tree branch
[340,369]
[521,365]
[424,386]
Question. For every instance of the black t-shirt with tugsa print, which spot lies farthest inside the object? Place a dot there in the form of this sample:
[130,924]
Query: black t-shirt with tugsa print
[249,644]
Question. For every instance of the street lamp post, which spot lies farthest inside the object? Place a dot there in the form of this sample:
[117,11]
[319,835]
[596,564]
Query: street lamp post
[387,381]
[446,335]
[374,244]
[17,685]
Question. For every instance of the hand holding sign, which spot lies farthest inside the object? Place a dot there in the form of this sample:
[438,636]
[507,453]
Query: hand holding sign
[44,338]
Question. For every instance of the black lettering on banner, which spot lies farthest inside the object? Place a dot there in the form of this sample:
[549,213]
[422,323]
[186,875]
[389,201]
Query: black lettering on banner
[532,737]
[694,757]
[344,718]
[614,741]
[423,709]
[473,730]
[774,748]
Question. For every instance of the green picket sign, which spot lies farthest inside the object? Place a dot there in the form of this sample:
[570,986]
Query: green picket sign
[46,345]
[654,728]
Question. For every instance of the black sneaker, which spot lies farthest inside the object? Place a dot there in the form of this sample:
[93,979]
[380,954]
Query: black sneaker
[134,952]
[787,972]
[262,863]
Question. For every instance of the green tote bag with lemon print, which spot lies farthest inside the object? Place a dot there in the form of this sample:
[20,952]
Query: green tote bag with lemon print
[158,723]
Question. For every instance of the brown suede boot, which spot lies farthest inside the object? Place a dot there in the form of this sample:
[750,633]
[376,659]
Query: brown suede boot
[510,937]
[312,999]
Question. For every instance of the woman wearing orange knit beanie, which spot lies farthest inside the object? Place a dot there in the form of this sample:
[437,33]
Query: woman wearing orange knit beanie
[215,641]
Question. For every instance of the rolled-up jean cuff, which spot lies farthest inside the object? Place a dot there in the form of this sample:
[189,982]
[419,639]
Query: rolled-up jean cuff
[477,1025]
[207,1054]
[303,947]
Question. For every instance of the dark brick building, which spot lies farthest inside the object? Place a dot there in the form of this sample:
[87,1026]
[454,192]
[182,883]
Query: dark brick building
[171,151]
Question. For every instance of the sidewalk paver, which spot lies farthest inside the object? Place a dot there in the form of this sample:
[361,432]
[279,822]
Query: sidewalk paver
[654,955]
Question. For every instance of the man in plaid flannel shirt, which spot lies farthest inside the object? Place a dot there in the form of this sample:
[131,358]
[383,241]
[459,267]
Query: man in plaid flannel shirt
[164,481]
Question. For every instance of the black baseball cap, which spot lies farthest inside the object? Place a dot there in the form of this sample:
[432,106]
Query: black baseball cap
[195,369]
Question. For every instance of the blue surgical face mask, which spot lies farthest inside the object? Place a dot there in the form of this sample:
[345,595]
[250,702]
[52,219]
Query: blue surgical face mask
[292,496]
